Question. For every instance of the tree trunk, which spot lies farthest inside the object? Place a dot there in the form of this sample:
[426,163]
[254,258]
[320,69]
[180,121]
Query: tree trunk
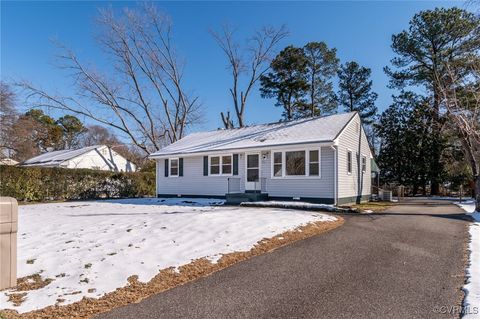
[477,193]
[415,189]
[435,168]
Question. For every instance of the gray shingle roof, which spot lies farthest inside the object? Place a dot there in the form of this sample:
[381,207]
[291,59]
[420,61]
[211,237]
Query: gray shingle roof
[319,129]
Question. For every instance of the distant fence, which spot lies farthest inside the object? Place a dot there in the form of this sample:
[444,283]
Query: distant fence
[45,184]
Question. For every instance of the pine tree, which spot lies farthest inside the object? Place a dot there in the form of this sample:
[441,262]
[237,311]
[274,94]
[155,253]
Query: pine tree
[405,129]
[322,66]
[286,81]
[434,38]
[392,158]
[355,91]
[72,128]
[48,135]
[301,80]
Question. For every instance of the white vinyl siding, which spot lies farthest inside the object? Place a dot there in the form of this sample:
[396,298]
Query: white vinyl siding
[358,182]
[193,181]
[301,186]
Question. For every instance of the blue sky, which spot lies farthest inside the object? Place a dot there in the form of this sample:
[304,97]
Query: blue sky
[360,31]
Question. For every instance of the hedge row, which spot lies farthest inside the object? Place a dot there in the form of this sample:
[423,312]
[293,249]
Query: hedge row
[43,184]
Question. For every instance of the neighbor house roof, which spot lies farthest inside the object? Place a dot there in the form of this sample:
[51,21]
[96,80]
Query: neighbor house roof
[8,161]
[318,129]
[55,158]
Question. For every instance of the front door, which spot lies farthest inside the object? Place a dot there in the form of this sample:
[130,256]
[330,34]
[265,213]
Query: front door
[252,182]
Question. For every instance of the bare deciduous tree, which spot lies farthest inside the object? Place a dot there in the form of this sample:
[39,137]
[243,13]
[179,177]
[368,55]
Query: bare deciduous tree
[250,63]
[227,120]
[460,95]
[143,95]
[8,116]
[97,134]
[17,133]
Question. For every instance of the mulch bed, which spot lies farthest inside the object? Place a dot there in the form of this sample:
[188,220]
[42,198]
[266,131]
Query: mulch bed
[32,282]
[168,278]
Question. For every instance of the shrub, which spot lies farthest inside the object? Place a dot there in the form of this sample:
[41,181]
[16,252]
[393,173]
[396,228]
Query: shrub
[52,183]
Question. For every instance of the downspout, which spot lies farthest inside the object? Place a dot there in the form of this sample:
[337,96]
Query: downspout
[156,177]
[335,180]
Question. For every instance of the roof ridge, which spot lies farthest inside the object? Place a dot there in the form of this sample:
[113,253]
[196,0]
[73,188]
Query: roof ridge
[304,119]
[53,155]
[306,130]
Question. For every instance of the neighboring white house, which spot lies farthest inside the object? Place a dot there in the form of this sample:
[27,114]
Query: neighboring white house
[98,157]
[322,159]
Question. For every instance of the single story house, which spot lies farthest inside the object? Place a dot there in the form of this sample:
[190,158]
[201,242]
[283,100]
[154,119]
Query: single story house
[97,157]
[322,159]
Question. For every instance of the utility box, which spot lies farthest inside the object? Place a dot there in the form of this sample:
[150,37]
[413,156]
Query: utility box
[8,242]
[385,195]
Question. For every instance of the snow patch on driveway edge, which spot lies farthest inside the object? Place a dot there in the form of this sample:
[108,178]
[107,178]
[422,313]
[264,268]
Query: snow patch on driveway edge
[471,303]
[169,278]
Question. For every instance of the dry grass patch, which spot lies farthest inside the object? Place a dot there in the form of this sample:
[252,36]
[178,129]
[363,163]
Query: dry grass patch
[136,291]
[373,206]
[27,283]
[32,282]
[16,299]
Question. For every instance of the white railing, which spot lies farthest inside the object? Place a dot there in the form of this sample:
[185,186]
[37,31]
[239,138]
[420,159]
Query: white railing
[233,185]
[260,185]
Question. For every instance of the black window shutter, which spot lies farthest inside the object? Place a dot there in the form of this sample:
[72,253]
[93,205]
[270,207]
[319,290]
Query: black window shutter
[180,167]
[235,164]
[205,166]
[166,167]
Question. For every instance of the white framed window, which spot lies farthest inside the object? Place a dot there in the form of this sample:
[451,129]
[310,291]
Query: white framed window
[277,164]
[313,163]
[295,163]
[349,162]
[301,163]
[364,163]
[173,167]
[214,165]
[220,165]
[227,165]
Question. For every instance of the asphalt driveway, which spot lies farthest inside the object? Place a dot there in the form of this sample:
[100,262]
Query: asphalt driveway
[407,262]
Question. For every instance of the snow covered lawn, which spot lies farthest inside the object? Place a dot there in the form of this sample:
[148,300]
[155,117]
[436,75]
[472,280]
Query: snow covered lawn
[472,288]
[91,248]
